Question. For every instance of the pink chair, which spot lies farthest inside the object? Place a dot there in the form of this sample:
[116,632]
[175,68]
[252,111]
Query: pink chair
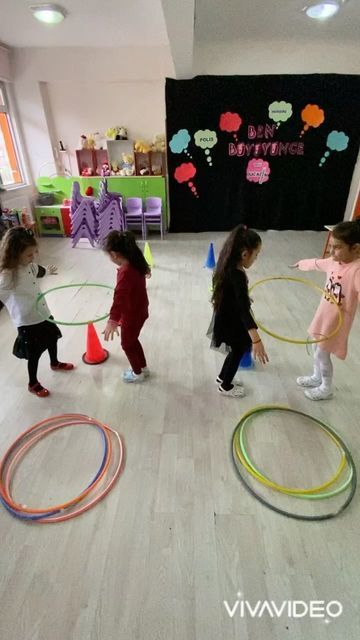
[133,214]
[153,215]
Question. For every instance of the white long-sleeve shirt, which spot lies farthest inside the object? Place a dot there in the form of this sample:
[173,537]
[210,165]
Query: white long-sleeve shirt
[19,292]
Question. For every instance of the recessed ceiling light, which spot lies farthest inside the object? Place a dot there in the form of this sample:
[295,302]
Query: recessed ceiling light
[323,10]
[48,13]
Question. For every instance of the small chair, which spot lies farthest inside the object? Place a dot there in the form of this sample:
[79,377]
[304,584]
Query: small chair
[153,215]
[133,214]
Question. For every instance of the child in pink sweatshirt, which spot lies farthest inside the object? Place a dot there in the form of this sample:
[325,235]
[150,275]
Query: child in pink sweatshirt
[343,284]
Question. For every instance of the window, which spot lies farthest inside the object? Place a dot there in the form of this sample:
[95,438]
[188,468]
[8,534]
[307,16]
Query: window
[10,172]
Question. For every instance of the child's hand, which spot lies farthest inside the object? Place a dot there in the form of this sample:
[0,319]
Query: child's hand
[259,352]
[110,330]
[52,269]
[294,266]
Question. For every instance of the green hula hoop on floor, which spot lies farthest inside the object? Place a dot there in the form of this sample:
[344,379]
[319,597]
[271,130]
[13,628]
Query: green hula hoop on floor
[241,464]
[67,286]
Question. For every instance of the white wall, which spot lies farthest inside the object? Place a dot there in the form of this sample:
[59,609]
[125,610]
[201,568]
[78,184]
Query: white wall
[62,93]
[254,58]
[5,71]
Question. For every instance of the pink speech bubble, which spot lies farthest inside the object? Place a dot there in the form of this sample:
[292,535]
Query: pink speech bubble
[258,170]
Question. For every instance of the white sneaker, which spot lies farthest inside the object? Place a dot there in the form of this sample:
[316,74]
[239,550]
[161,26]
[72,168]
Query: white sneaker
[235,392]
[308,381]
[130,376]
[145,371]
[236,382]
[318,394]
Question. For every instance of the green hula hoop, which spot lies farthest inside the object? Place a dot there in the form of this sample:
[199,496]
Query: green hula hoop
[317,493]
[67,286]
[351,481]
[313,286]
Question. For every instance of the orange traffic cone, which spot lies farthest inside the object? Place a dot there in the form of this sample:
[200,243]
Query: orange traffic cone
[95,354]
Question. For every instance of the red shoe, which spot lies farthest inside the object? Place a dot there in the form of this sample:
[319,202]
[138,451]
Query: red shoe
[62,366]
[39,390]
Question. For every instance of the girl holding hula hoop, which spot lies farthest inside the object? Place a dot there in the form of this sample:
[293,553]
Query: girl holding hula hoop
[343,283]
[19,290]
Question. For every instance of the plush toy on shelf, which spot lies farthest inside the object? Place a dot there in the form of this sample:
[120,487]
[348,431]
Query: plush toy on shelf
[159,143]
[141,146]
[116,133]
[105,170]
[90,142]
[83,142]
[128,167]
[97,140]
[115,169]
[87,172]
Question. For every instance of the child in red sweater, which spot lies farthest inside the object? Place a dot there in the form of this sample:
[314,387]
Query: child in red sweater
[130,305]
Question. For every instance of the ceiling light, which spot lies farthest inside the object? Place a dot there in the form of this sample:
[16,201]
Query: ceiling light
[48,13]
[323,10]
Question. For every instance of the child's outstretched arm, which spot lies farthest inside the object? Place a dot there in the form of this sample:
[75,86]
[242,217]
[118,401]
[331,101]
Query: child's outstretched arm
[51,269]
[312,264]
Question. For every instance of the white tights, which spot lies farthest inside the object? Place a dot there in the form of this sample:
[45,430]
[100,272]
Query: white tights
[323,368]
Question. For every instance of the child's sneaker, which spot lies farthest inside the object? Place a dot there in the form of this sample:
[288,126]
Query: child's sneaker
[62,366]
[130,376]
[318,394]
[308,381]
[234,392]
[236,382]
[39,390]
[144,370]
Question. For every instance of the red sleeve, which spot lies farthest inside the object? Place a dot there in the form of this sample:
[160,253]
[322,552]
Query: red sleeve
[120,294]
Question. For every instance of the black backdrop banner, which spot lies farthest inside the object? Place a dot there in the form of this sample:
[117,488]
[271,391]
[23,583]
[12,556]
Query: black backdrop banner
[272,152]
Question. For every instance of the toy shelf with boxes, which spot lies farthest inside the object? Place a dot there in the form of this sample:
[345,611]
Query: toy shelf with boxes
[90,161]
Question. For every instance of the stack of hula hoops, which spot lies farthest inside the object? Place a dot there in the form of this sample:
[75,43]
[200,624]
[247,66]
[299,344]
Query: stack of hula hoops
[104,479]
[343,482]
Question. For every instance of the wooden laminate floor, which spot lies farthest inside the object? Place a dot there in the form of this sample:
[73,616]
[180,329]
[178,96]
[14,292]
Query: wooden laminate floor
[178,534]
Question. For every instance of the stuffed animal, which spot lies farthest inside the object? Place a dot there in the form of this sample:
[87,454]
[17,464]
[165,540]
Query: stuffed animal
[115,169]
[83,142]
[116,133]
[121,133]
[127,168]
[87,171]
[90,142]
[105,169]
[159,143]
[97,140]
[141,146]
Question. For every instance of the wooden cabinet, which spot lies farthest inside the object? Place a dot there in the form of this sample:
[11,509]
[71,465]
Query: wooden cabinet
[91,159]
[152,163]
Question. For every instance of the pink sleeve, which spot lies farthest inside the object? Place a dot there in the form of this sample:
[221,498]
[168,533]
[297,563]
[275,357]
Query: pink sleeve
[314,264]
[357,281]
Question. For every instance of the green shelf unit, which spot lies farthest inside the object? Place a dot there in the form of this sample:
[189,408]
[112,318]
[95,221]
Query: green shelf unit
[129,187]
[49,221]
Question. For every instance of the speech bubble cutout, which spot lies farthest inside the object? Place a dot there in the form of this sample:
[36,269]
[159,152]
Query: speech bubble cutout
[230,122]
[206,139]
[280,112]
[258,170]
[336,141]
[184,173]
[180,142]
[313,116]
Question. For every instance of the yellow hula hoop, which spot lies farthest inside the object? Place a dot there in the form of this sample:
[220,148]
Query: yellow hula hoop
[274,485]
[313,286]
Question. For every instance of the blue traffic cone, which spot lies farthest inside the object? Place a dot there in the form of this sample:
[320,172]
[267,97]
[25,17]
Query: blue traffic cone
[246,361]
[210,260]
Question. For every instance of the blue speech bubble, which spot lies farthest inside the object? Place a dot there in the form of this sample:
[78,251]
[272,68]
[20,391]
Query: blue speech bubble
[180,141]
[336,141]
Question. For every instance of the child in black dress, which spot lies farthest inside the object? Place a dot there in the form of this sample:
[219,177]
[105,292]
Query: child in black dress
[19,290]
[233,323]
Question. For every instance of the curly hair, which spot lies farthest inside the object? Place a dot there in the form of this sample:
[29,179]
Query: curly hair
[239,239]
[13,243]
[124,243]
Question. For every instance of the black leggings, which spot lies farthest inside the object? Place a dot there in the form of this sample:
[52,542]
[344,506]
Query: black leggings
[33,363]
[231,365]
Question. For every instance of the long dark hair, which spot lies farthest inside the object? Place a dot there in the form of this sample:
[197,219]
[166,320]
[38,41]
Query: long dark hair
[348,232]
[13,243]
[124,243]
[239,239]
